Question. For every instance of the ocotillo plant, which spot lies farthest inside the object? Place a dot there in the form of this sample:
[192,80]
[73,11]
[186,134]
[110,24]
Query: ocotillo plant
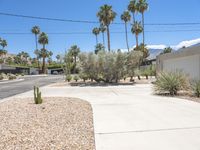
[37,95]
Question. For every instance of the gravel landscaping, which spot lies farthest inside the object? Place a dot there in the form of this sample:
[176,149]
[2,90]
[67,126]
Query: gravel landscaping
[58,123]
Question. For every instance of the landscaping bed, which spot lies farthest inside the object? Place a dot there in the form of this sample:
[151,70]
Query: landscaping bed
[57,123]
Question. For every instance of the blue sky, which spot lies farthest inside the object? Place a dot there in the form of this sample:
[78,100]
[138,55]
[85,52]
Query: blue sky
[160,11]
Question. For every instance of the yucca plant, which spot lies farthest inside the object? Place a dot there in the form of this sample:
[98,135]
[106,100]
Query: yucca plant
[37,95]
[196,88]
[171,83]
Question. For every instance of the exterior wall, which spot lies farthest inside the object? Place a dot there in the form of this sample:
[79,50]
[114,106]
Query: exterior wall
[186,60]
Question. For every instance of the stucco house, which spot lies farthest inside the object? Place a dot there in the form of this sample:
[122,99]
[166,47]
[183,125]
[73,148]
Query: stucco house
[186,60]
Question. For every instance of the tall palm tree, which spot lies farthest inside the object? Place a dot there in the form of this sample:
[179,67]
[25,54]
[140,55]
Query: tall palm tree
[58,57]
[143,48]
[43,40]
[4,43]
[96,32]
[142,6]
[102,30]
[74,51]
[36,31]
[136,29]
[106,16]
[132,7]
[126,17]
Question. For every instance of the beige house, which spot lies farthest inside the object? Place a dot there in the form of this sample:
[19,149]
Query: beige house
[186,60]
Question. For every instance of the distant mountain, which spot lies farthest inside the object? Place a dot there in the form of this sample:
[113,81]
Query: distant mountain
[153,53]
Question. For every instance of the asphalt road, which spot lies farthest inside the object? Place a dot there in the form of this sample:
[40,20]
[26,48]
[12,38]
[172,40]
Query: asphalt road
[14,88]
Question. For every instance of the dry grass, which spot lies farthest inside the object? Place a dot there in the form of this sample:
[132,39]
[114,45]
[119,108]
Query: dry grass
[58,123]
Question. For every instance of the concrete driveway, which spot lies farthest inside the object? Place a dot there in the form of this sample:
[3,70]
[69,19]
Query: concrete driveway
[131,118]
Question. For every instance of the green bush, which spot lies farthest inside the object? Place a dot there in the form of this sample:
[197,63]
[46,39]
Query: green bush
[196,88]
[138,73]
[171,83]
[68,78]
[83,76]
[76,78]
[4,76]
[1,77]
[12,77]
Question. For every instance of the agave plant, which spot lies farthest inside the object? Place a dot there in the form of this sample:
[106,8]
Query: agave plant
[196,88]
[171,83]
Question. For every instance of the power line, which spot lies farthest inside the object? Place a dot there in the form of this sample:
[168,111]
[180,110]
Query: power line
[46,18]
[93,22]
[87,33]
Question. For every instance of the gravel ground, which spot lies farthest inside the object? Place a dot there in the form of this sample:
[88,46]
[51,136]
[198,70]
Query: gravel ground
[57,124]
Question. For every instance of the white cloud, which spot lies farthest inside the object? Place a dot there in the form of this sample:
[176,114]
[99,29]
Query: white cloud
[175,47]
[156,46]
[186,43]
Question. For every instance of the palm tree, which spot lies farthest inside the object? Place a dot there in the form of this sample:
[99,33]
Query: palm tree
[74,51]
[43,40]
[142,6]
[132,7]
[126,17]
[36,31]
[143,48]
[102,30]
[136,29]
[96,32]
[4,43]
[106,16]
[2,53]
[167,50]
[58,57]
[99,47]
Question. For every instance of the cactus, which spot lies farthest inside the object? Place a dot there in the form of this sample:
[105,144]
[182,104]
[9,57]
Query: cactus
[37,95]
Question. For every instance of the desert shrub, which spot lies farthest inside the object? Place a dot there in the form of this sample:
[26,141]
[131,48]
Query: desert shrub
[3,76]
[12,77]
[171,83]
[108,66]
[68,78]
[83,76]
[76,78]
[146,72]
[196,88]
[138,73]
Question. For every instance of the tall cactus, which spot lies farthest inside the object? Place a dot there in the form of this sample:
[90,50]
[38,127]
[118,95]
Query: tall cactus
[37,95]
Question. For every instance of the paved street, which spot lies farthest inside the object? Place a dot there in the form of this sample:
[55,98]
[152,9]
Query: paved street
[131,118]
[13,88]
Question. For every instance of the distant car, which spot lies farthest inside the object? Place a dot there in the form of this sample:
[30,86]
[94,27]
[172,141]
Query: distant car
[55,73]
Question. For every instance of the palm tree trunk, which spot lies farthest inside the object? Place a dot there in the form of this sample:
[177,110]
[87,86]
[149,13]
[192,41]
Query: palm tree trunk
[43,65]
[126,36]
[74,71]
[43,62]
[136,36]
[103,39]
[143,27]
[108,35]
[36,45]
[134,23]
[133,17]
[96,40]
